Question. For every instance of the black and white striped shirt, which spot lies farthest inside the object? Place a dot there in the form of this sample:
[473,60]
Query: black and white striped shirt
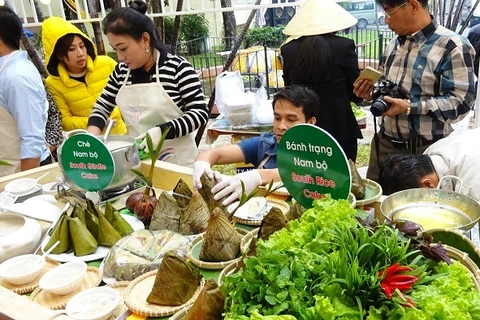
[179,80]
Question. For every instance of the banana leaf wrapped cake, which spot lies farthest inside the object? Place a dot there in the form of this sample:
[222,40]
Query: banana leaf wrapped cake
[209,304]
[175,283]
[82,230]
[194,219]
[182,194]
[221,242]
[166,215]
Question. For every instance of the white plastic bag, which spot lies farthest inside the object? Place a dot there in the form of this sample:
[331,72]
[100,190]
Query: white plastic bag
[227,84]
[263,111]
[231,99]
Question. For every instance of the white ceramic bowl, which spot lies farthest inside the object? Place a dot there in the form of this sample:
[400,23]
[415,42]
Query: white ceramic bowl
[93,304]
[22,269]
[21,186]
[64,278]
[50,188]
[18,235]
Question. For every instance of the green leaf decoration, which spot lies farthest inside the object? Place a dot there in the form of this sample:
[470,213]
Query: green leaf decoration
[4,163]
[269,189]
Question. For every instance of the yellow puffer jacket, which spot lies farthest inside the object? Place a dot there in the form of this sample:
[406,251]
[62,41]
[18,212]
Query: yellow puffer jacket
[75,99]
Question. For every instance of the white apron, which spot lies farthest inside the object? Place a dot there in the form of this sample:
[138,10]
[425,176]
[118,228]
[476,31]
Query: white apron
[10,146]
[144,106]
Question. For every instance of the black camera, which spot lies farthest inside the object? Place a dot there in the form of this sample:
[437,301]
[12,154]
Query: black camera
[382,89]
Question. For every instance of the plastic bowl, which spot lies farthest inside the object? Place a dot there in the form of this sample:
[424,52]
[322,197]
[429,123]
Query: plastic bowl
[93,304]
[21,186]
[22,269]
[64,278]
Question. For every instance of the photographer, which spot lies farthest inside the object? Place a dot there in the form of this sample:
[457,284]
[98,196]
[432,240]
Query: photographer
[433,66]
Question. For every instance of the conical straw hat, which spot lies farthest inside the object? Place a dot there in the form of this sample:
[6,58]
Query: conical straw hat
[319,17]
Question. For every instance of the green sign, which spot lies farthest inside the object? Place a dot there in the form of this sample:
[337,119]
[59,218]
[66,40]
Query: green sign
[87,162]
[311,164]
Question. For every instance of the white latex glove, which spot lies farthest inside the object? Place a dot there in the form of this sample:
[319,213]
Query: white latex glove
[200,167]
[155,134]
[233,187]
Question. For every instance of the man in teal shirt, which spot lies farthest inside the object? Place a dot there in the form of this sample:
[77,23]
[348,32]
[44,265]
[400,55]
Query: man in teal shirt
[292,105]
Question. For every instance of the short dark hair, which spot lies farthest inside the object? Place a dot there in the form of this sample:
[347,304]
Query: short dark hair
[133,22]
[61,50]
[10,28]
[301,97]
[403,171]
[395,3]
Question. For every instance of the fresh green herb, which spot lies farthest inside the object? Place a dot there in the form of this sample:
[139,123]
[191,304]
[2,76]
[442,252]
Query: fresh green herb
[153,158]
[243,199]
[357,111]
[327,266]
[269,189]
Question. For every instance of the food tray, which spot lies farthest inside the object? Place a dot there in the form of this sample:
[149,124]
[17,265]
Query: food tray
[245,242]
[138,291]
[462,257]
[29,287]
[282,205]
[194,252]
[228,270]
[180,315]
[373,192]
[121,288]
[54,301]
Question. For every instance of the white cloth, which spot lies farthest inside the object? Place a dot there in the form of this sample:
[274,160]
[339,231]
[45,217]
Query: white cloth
[233,187]
[144,106]
[458,155]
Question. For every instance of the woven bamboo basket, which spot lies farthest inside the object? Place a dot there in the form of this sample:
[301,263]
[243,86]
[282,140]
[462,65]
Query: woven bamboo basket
[138,290]
[373,192]
[207,264]
[282,205]
[180,315]
[228,270]
[463,258]
[245,242]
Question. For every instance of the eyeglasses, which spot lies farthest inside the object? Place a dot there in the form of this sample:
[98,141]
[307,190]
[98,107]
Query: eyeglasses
[388,14]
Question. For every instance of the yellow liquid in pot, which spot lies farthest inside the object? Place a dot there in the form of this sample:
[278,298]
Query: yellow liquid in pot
[432,217]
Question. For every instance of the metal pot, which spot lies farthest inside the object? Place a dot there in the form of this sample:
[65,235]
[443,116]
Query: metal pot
[432,207]
[125,156]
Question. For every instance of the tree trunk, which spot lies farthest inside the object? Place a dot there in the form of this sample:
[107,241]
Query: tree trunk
[228,63]
[32,52]
[176,27]
[157,8]
[116,4]
[97,29]
[38,10]
[229,24]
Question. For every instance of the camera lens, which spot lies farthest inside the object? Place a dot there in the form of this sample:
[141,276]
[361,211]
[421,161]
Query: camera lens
[379,106]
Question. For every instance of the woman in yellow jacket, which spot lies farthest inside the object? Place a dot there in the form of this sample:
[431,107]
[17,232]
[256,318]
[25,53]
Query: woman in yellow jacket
[76,74]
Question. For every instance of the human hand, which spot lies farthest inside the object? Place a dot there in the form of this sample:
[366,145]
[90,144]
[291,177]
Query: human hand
[398,106]
[156,135]
[200,167]
[362,88]
[233,187]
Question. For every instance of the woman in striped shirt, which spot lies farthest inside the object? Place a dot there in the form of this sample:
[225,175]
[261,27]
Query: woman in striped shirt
[153,89]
